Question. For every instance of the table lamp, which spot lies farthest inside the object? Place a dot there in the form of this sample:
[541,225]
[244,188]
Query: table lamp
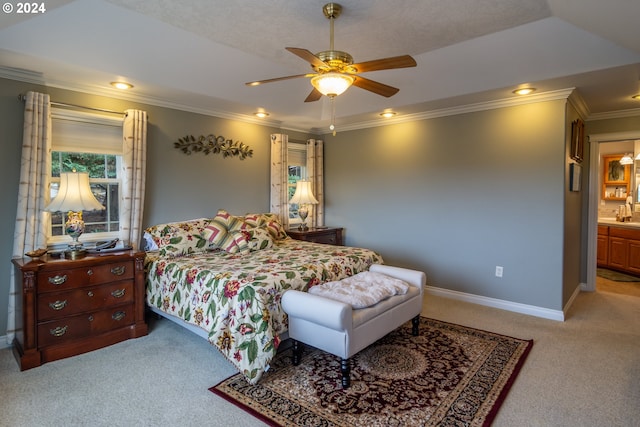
[303,197]
[74,196]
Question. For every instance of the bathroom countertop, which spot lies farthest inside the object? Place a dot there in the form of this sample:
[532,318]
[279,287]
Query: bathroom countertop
[613,223]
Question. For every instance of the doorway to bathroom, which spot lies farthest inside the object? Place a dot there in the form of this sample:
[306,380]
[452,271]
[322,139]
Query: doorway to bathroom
[605,207]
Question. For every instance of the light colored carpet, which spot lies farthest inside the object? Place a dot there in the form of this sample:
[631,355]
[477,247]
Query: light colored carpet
[581,372]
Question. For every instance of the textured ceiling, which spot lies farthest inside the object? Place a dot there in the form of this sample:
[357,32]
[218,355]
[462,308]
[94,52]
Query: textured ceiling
[197,54]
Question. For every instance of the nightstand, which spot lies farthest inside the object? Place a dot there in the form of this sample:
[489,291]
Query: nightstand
[68,307]
[328,235]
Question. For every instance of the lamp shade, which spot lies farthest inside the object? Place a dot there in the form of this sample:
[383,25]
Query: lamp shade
[332,84]
[303,194]
[74,194]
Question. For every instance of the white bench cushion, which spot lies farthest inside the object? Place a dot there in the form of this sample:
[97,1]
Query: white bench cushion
[362,290]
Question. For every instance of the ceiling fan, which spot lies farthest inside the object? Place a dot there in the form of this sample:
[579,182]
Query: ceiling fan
[334,70]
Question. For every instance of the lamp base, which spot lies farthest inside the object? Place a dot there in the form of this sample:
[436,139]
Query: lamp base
[75,253]
[303,211]
[74,227]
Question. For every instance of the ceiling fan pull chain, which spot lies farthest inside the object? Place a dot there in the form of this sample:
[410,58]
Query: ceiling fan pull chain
[333,115]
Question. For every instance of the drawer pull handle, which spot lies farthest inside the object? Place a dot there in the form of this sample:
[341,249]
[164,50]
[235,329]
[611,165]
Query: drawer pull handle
[58,280]
[118,271]
[118,315]
[90,272]
[90,318]
[58,305]
[118,293]
[58,331]
[90,293]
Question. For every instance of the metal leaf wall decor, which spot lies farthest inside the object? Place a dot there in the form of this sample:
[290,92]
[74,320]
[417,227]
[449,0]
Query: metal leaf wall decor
[213,144]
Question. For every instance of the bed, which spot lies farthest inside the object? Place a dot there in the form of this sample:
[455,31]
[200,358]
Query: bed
[224,277]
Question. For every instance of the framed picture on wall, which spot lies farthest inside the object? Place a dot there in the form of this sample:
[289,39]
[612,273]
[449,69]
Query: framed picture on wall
[575,174]
[577,140]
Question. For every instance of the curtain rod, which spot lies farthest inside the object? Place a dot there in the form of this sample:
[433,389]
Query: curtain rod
[22,97]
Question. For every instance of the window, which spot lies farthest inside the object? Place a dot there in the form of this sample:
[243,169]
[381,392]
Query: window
[93,144]
[297,165]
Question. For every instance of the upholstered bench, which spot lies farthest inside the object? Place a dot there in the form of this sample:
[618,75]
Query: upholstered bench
[337,328]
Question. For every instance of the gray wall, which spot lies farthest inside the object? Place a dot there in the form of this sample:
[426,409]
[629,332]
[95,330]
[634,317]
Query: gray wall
[456,196]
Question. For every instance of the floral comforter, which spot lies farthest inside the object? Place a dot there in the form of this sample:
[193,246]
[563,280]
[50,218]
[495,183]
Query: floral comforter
[236,298]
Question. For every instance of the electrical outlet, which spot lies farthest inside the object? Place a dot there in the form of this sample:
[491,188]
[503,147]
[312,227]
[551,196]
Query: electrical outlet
[499,271]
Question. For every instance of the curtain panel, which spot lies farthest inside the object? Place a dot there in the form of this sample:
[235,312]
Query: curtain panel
[315,172]
[279,196]
[134,159]
[33,189]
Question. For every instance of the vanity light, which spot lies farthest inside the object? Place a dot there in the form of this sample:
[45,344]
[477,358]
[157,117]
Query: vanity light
[261,114]
[524,91]
[388,114]
[626,159]
[122,85]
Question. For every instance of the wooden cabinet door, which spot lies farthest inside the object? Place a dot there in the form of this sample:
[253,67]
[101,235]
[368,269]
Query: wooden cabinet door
[634,256]
[603,251]
[618,252]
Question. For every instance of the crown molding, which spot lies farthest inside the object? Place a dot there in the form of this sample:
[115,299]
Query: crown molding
[461,109]
[37,78]
[570,94]
[633,112]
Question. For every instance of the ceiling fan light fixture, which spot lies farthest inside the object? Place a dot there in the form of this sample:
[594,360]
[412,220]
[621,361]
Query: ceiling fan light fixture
[332,84]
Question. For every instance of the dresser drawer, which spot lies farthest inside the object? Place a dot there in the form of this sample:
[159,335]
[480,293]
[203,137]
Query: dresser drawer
[57,280]
[56,305]
[82,325]
[329,239]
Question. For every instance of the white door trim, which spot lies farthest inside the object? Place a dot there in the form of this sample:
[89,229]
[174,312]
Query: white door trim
[594,199]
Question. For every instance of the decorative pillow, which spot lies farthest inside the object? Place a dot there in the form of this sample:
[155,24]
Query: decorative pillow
[179,238]
[259,239]
[221,225]
[269,221]
[214,233]
[255,220]
[236,242]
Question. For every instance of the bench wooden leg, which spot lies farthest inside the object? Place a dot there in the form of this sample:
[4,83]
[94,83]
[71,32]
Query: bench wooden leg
[346,373]
[296,355]
[415,322]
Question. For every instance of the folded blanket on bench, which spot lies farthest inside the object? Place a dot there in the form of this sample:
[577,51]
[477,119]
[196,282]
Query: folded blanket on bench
[361,290]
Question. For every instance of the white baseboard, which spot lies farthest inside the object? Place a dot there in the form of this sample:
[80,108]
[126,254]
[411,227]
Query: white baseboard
[3,342]
[516,307]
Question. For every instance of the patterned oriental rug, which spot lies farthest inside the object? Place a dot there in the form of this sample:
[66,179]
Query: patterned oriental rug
[449,375]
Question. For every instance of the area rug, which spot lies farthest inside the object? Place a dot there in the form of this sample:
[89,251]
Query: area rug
[449,375]
[616,276]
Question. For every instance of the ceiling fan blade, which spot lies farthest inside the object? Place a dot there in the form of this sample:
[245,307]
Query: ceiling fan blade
[375,87]
[277,79]
[307,56]
[403,61]
[314,95]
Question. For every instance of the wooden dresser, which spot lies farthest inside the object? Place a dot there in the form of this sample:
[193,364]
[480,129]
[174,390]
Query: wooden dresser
[68,307]
[328,235]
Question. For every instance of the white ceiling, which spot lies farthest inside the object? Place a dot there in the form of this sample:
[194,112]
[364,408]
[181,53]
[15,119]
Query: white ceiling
[197,54]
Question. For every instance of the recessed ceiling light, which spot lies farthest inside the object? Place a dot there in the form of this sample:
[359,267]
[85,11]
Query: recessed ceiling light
[261,114]
[388,114]
[524,90]
[122,85]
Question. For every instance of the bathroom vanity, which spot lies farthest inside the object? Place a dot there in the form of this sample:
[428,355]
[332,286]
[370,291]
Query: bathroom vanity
[619,246]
